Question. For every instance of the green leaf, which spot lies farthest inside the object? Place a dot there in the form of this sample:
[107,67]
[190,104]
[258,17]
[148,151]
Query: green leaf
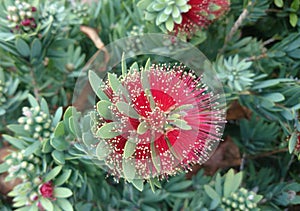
[53,173]
[3,167]
[58,157]
[97,84]
[104,109]
[59,130]
[148,65]
[180,186]
[46,148]
[44,106]
[64,204]
[212,193]
[63,177]
[134,67]
[36,48]
[229,183]
[129,170]
[279,3]
[182,124]
[46,203]
[155,158]
[117,87]
[292,142]
[183,107]
[124,66]
[22,47]
[33,102]
[143,4]
[57,116]
[274,97]
[142,128]
[270,83]
[170,24]
[18,130]
[108,130]
[293,19]
[62,192]
[129,148]
[14,141]
[102,150]
[59,144]
[138,184]
[32,148]
[127,109]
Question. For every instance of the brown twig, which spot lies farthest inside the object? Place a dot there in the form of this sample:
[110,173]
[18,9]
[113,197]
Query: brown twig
[267,154]
[236,26]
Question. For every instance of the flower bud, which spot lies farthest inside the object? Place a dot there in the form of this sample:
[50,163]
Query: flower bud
[29,121]
[234,205]
[38,128]
[21,120]
[46,134]
[36,135]
[24,164]
[37,181]
[33,196]
[26,127]
[23,176]
[241,200]
[36,160]
[15,18]
[39,119]
[30,167]
[22,13]
[37,109]
[8,161]
[20,156]
[14,154]
[46,125]
[29,14]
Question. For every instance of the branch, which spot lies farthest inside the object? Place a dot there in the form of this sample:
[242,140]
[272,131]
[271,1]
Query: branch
[236,25]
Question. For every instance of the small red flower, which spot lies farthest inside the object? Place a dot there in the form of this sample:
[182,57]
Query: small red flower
[46,190]
[201,14]
[26,22]
[33,9]
[161,121]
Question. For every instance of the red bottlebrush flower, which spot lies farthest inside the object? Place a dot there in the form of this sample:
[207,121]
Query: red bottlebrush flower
[201,14]
[33,9]
[46,190]
[156,122]
[26,22]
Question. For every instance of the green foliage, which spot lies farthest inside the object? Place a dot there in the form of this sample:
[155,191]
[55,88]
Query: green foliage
[255,50]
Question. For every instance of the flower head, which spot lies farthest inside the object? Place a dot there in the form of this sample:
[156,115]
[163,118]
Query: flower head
[21,17]
[155,122]
[183,16]
[46,190]
[201,14]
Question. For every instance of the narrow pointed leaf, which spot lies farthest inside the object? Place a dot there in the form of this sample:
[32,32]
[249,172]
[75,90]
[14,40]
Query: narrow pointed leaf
[127,109]
[129,148]
[108,131]
[104,109]
[129,170]
[96,84]
[142,128]
[182,124]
